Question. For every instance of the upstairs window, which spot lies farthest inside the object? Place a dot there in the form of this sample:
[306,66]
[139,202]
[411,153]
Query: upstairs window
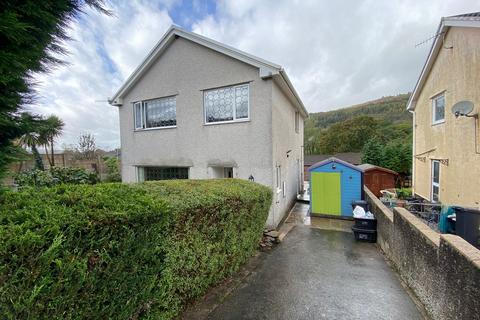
[228,104]
[156,113]
[438,109]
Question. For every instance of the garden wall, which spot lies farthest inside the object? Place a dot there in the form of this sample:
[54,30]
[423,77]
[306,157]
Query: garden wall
[118,251]
[442,270]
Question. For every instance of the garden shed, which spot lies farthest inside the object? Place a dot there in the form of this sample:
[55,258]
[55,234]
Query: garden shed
[378,178]
[334,184]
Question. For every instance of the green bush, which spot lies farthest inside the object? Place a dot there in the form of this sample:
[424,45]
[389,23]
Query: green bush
[54,176]
[404,193]
[123,251]
[113,169]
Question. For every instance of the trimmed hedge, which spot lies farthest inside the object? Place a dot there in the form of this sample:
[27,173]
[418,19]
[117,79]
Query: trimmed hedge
[123,251]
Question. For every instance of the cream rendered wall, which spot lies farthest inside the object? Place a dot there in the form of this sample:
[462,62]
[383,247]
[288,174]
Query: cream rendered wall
[284,139]
[457,71]
[184,70]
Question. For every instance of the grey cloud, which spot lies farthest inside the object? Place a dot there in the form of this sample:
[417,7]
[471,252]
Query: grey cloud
[337,53]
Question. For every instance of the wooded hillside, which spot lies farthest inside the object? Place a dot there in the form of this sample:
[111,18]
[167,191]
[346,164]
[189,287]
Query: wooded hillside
[380,128]
[392,109]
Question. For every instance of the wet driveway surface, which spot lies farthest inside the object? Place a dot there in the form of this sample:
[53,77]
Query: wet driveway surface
[320,274]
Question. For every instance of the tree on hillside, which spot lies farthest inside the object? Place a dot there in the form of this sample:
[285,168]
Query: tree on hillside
[52,128]
[348,136]
[373,152]
[31,34]
[396,155]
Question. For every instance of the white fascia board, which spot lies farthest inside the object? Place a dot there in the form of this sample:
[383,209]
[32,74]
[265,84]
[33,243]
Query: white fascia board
[462,23]
[266,68]
[138,72]
[284,82]
[226,49]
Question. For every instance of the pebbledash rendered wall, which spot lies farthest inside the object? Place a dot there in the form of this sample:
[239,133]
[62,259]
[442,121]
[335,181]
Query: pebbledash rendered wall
[442,270]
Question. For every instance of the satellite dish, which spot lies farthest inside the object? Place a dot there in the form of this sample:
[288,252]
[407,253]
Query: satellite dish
[462,108]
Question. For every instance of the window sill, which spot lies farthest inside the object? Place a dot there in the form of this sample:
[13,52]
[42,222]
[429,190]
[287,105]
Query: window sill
[437,123]
[226,122]
[156,128]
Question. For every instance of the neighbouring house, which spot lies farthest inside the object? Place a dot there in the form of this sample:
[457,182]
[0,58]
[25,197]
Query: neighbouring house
[354,158]
[446,146]
[377,178]
[198,109]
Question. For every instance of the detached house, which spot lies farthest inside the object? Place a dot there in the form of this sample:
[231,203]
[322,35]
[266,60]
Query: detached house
[198,109]
[445,104]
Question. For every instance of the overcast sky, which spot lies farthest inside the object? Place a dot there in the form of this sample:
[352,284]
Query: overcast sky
[336,53]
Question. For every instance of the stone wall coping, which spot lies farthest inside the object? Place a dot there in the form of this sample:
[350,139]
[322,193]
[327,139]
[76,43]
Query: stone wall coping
[418,224]
[446,277]
[470,253]
[388,213]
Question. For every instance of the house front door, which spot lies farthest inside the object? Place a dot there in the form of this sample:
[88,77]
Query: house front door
[435,180]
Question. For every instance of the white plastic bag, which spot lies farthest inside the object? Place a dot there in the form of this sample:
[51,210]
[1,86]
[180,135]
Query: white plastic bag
[358,212]
[369,215]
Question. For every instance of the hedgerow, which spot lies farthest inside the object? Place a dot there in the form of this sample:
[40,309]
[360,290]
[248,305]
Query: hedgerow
[123,251]
[54,176]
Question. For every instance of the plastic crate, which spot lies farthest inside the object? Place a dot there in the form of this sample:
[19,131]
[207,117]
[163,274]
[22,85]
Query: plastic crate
[365,235]
[368,224]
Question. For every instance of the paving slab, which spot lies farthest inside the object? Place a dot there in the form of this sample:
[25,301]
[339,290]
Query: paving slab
[320,274]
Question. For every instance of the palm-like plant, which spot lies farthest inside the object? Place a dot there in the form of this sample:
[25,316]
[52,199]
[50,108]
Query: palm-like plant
[32,126]
[52,127]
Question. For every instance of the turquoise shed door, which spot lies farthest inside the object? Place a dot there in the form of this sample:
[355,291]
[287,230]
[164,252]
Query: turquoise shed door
[326,193]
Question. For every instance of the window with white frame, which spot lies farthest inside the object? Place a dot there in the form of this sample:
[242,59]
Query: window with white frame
[438,109]
[227,104]
[435,180]
[297,122]
[155,113]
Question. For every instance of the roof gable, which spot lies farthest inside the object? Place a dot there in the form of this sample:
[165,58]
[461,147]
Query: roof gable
[463,20]
[266,69]
[350,157]
[334,160]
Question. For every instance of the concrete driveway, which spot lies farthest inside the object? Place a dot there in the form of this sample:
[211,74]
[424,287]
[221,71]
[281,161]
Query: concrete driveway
[320,274]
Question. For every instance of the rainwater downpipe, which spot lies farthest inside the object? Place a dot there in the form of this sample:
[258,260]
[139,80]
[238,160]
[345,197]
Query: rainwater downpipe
[413,151]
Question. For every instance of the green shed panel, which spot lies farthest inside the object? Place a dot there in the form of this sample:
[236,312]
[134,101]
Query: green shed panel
[326,192]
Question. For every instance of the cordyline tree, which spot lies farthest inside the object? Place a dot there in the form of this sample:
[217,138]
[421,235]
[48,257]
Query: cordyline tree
[31,34]
[52,128]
